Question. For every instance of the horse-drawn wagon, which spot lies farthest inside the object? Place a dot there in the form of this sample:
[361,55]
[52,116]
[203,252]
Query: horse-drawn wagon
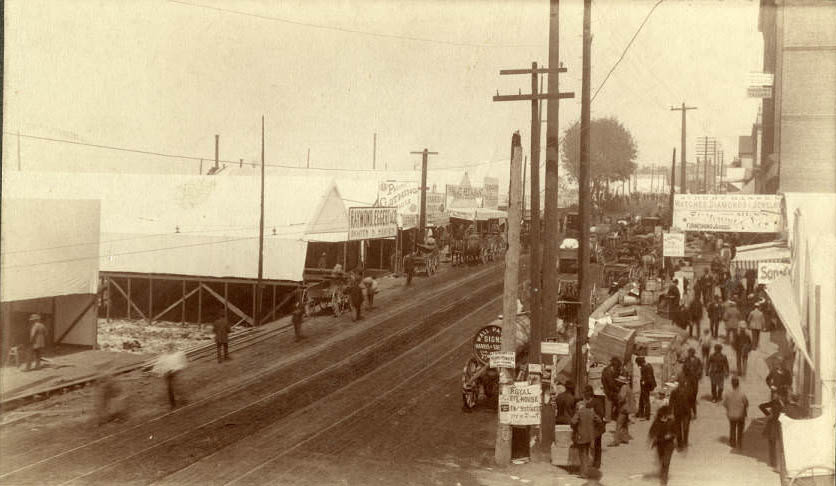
[425,259]
[327,295]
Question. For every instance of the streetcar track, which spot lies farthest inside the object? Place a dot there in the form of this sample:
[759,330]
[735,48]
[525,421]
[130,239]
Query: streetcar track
[377,399]
[286,389]
[271,369]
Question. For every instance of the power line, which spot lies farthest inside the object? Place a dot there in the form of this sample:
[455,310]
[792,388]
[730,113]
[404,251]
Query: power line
[626,48]
[354,31]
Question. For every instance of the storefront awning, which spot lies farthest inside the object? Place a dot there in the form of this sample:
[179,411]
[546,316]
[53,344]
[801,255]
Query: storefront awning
[808,444]
[748,257]
[781,294]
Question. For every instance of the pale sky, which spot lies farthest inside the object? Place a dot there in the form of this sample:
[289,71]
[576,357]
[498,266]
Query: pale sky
[166,77]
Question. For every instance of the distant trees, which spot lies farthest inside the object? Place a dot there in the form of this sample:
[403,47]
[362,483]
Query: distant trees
[612,153]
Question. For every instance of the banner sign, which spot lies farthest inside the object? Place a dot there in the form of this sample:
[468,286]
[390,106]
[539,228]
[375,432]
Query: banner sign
[490,193]
[673,244]
[488,340]
[365,223]
[768,272]
[500,359]
[759,92]
[743,213]
[554,348]
[456,191]
[436,209]
[535,368]
[521,406]
[406,196]
[760,79]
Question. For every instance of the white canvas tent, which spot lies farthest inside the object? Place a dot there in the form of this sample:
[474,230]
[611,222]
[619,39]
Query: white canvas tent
[50,266]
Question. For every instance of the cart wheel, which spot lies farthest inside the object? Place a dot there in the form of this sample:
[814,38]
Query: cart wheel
[470,398]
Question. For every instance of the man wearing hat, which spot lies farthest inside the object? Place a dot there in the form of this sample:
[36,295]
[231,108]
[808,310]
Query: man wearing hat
[756,324]
[565,404]
[611,386]
[37,340]
[647,383]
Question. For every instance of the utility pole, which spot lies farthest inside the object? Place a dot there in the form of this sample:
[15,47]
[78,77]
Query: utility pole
[374,152]
[535,266]
[199,171]
[683,180]
[525,166]
[673,181]
[715,151]
[502,451]
[257,317]
[217,140]
[422,218]
[584,276]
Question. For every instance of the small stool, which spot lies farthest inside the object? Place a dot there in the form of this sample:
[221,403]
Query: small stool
[13,353]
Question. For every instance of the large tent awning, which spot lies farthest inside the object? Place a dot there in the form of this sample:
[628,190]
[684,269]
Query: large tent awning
[748,257]
[808,444]
[782,296]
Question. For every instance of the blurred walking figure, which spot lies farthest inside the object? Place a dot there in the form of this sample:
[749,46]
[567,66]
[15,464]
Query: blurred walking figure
[647,383]
[168,366]
[611,386]
[742,347]
[409,267]
[37,341]
[737,407]
[718,370]
[107,403]
[706,342]
[692,369]
[662,437]
[355,293]
[731,319]
[221,329]
[370,284]
[296,319]
[715,315]
[756,324]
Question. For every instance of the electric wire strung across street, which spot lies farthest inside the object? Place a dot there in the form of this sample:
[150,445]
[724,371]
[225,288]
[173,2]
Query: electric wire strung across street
[355,31]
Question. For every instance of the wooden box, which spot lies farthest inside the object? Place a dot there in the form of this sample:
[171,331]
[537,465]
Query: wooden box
[611,341]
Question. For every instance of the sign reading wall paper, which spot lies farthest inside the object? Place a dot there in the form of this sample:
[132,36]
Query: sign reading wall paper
[742,213]
[372,222]
[768,272]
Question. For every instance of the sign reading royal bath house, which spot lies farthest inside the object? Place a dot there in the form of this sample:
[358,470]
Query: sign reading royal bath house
[746,213]
[369,223]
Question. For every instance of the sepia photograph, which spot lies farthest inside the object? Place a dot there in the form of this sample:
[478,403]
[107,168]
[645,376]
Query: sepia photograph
[418,242]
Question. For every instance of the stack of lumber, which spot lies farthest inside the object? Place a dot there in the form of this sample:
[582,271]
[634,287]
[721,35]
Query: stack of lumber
[611,341]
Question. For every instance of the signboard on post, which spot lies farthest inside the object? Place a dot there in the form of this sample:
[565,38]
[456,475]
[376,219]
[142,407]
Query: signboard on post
[739,213]
[436,209]
[561,349]
[673,244]
[490,193]
[768,272]
[500,359]
[521,406]
[759,92]
[365,223]
[488,340]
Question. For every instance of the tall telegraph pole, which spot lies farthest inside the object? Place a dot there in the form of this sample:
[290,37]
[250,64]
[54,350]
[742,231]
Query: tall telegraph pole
[673,181]
[683,181]
[257,317]
[422,218]
[584,279]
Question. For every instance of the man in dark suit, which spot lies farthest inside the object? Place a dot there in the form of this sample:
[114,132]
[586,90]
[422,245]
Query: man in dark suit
[611,386]
[680,403]
[584,423]
[221,329]
[647,385]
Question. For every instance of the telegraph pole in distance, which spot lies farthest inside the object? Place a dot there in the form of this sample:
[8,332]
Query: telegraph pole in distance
[257,317]
[422,218]
[536,274]
[683,179]
[584,279]
[673,182]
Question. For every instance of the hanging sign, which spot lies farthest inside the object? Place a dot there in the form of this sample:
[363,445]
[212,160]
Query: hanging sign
[486,341]
[502,359]
[561,349]
[521,405]
[768,272]
[436,209]
[490,193]
[759,92]
[673,244]
[366,223]
[535,368]
[741,213]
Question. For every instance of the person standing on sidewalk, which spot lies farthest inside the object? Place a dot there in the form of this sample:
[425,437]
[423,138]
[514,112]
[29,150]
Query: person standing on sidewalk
[611,387]
[693,372]
[647,384]
[221,329]
[583,423]
[737,407]
[772,430]
[742,347]
[355,293]
[662,437]
[718,370]
[706,343]
[715,315]
[731,319]
[756,324]
[409,267]
[565,404]
[597,405]
[37,341]
[680,403]
[371,288]
[296,318]
[625,408]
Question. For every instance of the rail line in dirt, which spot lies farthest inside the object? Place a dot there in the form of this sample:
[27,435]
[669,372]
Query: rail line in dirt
[263,392]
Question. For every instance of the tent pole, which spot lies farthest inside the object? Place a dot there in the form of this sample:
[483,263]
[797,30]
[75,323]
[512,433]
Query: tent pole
[183,308]
[226,299]
[150,301]
[199,304]
[128,298]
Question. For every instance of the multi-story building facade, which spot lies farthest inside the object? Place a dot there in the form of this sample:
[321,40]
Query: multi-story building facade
[798,151]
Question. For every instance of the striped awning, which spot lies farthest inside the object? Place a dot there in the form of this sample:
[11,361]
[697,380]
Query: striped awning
[749,258]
